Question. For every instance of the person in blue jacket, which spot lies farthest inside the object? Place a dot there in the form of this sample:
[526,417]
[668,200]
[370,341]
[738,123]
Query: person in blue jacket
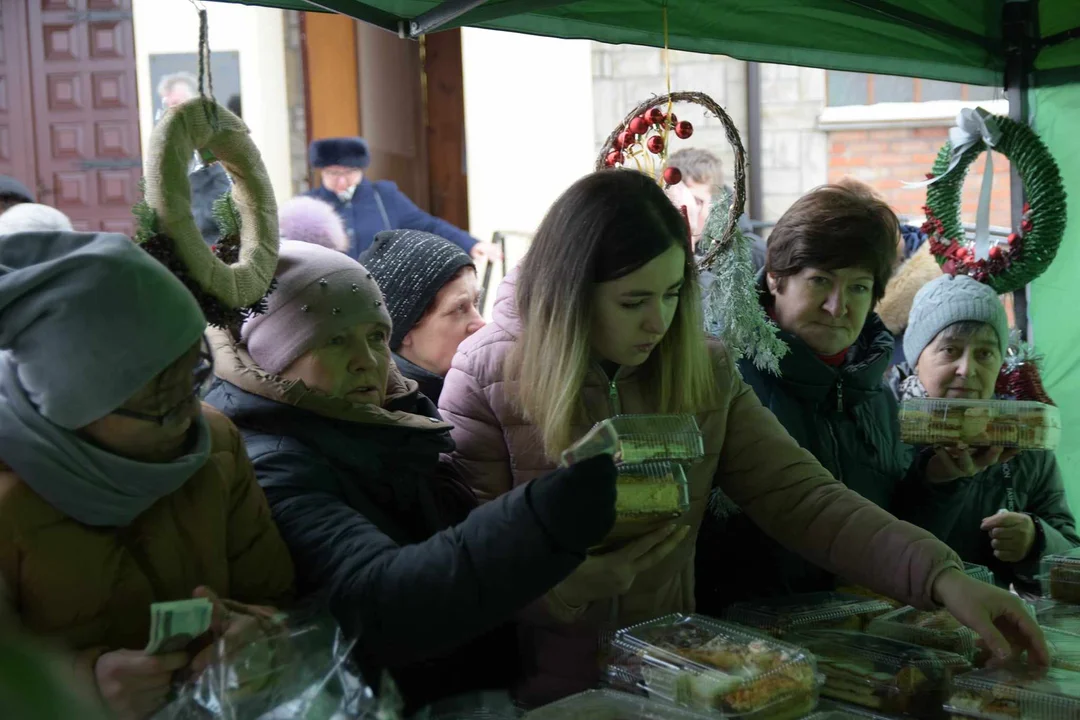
[369,207]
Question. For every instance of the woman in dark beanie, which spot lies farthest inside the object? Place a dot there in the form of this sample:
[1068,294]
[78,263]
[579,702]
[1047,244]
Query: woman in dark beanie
[117,489]
[829,259]
[432,294]
[348,453]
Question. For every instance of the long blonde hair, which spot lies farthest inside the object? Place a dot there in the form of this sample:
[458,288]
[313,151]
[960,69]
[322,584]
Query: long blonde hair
[604,227]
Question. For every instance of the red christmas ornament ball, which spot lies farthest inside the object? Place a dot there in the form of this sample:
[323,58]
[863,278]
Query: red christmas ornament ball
[655,144]
[626,139]
[684,129]
[671,120]
[672,176]
[1026,225]
[613,158]
[995,252]
[655,116]
[639,125]
[1013,238]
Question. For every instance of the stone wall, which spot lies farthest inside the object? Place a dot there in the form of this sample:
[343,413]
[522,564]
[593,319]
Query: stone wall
[793,151]
[625,75]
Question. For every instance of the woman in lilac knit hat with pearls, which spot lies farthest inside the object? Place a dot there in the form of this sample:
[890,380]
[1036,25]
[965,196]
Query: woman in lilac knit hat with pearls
[348,453]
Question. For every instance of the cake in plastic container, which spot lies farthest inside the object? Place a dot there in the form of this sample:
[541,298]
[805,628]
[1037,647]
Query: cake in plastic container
[1064,649]
[649,438]
[808,611]
[732,672]
[612,705]
[936,629]
[651,492]
[1058,616]
[979,572]
[884,675]
[1061,576]
[980,423]
[1016,692]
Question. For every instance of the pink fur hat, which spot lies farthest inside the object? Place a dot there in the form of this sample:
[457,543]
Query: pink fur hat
[306,219]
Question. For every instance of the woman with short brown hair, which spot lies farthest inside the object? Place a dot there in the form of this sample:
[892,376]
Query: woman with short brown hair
[829,259]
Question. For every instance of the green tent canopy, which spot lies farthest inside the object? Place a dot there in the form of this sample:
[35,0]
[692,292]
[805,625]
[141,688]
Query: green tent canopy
[954,40]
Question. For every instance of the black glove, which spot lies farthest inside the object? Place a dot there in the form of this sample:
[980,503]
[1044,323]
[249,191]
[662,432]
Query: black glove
[576,505]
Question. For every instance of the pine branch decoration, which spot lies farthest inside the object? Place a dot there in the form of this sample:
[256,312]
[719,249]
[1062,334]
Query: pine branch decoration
[732,309]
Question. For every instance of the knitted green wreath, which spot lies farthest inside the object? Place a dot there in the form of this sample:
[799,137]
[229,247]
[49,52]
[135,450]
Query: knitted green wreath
[1030,249]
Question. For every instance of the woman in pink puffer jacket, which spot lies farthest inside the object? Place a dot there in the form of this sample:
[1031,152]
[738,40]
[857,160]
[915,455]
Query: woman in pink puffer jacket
[603,317]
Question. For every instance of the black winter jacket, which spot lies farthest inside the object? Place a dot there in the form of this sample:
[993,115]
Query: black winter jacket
[391,539]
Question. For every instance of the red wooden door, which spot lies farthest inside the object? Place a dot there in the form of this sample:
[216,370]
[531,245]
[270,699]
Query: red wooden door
[16,113]
[82,60]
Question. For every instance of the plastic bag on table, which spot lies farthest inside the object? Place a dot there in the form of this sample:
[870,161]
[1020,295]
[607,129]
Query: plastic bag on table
[297,669]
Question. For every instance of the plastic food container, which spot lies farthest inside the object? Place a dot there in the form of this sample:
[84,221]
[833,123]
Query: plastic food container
[849,588]
[1061,576]
[881,674]
[979,572]
[809,611]
[1059,616]
[980,423]
[828,710]
[707,665]
[648,438]
[1064,649]
[1010,693]
[612,705]
[936,629]
[651,492]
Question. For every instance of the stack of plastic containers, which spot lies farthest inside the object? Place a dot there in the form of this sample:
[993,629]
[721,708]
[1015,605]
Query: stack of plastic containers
[809,611]
[1012,693]
[650,451]
[881,674]
[1058,616]
[705,665]
[980,423]
[1064,649]
[1061,576]
[936,629]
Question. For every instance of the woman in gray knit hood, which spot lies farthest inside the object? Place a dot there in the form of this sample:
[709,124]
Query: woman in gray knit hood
[1010,513]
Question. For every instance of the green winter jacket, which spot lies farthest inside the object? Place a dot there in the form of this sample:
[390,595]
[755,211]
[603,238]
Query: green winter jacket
[848,419]
[1029,483]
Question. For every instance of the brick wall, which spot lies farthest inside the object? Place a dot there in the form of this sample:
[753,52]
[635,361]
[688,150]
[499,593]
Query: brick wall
[885,158]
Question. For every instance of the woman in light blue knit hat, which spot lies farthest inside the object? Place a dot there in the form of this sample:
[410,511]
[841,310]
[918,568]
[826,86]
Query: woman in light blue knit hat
[1001,510]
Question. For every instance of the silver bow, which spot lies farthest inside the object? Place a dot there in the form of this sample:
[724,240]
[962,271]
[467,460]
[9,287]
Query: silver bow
[973,126]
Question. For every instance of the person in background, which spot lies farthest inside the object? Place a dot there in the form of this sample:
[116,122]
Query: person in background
[209,181]
[1006,516]
[602,318]
[703,175]
[433,296]
[305,219]
[28,217]
[12,193]
[176,88]
[117,488]
[371,207]
[348,452]
[829,259]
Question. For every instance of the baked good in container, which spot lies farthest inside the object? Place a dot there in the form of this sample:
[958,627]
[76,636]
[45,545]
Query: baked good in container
[936,629]
[1016,692]
[699,663]
[881,674]
[1061,576]
[980,423]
